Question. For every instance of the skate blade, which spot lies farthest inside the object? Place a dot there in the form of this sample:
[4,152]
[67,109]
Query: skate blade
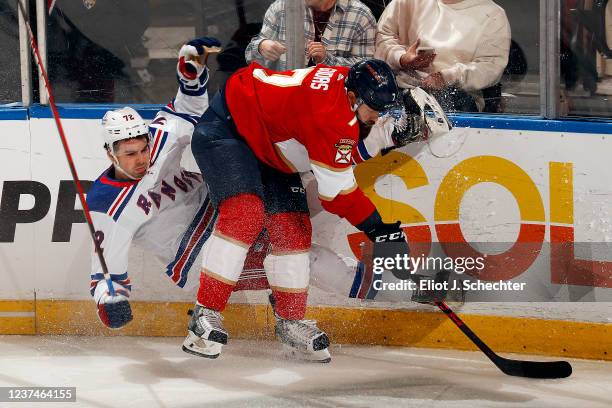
[320,356]
[200,347]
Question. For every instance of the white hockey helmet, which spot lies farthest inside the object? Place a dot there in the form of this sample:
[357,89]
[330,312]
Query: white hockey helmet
[121,124]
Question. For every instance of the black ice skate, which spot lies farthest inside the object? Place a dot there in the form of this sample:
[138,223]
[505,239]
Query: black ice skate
[206,334]
[302,339]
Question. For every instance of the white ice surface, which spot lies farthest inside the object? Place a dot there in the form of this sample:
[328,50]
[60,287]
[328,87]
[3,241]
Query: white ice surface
[154,372]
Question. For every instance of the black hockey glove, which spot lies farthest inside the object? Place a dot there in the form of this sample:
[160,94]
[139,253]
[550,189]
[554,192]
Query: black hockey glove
[411,126]
[382,232]
[390,243]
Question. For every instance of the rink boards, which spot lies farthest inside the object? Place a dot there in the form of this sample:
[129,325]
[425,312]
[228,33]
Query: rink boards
[497,179]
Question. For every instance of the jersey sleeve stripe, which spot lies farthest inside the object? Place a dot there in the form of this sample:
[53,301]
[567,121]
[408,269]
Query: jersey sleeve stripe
[198,247]
[156,138]
[122,279]
[189,118]
[198,232]
[192,227]
[197,89]
[160,141]
[195,237]
[100,276]
[363,152]
[117,202]
[124,202]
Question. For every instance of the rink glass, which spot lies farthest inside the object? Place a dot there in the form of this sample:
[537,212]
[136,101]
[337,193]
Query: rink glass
[124,52]
[586,58]
[10,91]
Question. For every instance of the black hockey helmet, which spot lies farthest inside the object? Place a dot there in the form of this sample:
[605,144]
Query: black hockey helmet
[374,82]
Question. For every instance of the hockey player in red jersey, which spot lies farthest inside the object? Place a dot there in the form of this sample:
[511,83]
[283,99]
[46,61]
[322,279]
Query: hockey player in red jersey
[252,142]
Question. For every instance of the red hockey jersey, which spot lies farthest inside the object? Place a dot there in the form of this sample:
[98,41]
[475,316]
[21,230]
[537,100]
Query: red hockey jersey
[298,121]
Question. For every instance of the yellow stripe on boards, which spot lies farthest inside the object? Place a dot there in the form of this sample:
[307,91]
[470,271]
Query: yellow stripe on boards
[434,330]
[17,305]
[17,317]
[17,325]
[150,319]
[504,334]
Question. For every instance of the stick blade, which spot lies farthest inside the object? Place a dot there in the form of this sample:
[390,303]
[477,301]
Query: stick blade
[535,369]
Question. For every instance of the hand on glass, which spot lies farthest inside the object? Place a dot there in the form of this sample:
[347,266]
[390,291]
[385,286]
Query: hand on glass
[271,50]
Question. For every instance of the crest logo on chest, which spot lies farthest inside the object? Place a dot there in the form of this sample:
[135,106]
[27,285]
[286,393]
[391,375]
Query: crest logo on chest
[344,149]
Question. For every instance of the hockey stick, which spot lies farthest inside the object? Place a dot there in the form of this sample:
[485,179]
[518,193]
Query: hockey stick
[62,135]
[518,368]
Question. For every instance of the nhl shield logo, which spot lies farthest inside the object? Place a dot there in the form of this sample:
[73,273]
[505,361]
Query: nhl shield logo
[344,149]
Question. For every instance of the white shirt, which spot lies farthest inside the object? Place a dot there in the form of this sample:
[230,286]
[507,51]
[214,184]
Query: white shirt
[471,39]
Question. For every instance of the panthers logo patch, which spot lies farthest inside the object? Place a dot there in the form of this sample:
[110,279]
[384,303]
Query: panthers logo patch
[344,149]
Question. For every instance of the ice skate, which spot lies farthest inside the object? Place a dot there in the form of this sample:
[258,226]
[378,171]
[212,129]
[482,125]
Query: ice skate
[206,334]
[302,339]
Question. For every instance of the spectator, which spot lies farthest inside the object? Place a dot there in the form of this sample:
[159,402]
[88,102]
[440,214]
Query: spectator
[470,41]
[337,32]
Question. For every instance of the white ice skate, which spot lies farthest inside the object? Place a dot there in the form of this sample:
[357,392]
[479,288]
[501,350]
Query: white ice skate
[302,339]
[206,334]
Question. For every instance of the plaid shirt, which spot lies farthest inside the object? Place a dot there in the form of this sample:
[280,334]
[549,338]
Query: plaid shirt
[350,35]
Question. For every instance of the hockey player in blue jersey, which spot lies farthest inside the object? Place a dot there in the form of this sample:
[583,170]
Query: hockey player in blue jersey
[145,197]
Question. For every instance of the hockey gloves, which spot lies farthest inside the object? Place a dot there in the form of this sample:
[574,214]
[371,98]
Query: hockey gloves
[382,232]
[411,126]
[189,65]
[113,311]
[390,243]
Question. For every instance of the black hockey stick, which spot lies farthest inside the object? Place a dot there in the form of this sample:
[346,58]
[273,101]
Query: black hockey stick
[62,135]
[518,368]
